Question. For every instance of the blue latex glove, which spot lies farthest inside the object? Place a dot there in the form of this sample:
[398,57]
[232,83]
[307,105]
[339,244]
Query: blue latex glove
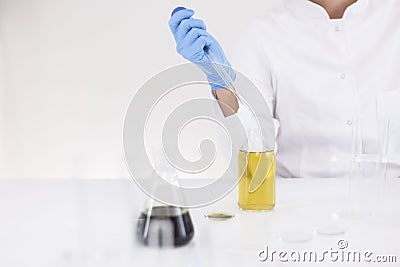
[193,42]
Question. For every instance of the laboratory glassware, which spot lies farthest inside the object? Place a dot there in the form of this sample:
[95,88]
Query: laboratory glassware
[162,224]
[256,164]
[368,175]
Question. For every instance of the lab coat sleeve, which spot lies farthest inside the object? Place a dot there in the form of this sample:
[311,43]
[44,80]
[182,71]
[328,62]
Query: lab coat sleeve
[250,58]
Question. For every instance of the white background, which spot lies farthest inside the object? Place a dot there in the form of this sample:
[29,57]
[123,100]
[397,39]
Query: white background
[68,70]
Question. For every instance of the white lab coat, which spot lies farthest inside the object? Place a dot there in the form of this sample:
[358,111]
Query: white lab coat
[319,74]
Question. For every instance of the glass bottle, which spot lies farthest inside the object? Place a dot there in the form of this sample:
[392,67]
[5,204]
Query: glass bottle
[160,224]
[256,164]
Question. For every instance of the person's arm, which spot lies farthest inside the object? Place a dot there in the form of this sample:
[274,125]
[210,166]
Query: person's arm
[227,101]
[193,42]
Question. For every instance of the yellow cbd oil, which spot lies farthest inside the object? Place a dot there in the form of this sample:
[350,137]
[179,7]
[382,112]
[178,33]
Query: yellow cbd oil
[256,189]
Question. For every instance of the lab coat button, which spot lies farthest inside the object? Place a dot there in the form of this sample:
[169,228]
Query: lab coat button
[337,28]
[349,122]
[343,76]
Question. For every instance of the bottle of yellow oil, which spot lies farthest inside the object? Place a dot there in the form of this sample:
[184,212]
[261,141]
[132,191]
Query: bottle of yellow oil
[256,189]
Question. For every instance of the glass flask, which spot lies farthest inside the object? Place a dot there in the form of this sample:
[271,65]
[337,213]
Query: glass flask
[256,164]
[160,224]
[369,165]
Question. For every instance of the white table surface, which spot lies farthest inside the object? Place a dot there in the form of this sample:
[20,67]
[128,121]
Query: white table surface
[72,222]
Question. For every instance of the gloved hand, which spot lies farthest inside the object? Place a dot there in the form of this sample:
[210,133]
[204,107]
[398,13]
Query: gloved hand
[193,42]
